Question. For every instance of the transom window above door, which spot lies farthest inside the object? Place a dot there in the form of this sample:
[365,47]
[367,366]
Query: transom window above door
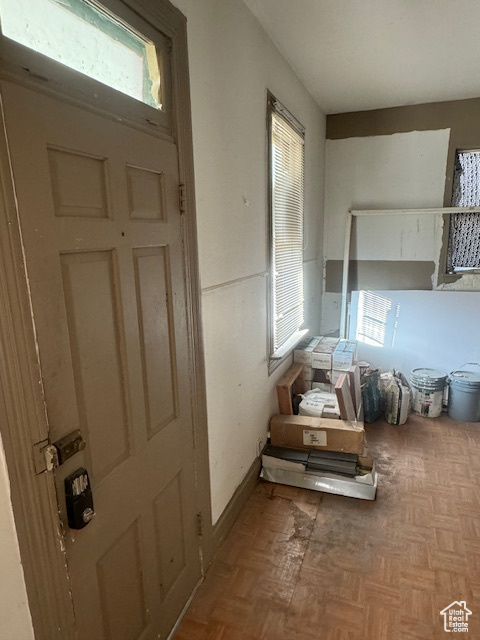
[86,37]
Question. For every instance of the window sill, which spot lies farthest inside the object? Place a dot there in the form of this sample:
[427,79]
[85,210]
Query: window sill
[450,278]
[280,354]
[464,272]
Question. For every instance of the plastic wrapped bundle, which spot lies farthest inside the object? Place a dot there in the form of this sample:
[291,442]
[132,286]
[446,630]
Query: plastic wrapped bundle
[371,396]
[397,399]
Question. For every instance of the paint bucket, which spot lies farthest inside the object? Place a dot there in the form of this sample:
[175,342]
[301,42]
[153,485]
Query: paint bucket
[464,397]
[428,387]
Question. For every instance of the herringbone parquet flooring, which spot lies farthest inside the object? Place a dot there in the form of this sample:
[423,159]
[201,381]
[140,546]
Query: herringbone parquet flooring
[300,565]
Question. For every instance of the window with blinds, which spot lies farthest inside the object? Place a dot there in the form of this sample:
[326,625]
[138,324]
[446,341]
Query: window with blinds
[286,177]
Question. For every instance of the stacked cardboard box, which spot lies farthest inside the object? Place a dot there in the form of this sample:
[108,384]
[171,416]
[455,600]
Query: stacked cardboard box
[320,453]
[344,356]
[322,355]
[324,359]
[303,355]
[324,434]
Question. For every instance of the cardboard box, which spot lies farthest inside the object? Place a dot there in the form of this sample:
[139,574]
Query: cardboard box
[324,434]
[323,352]
[303,352]
[344,355]
[334,375]
[307,373]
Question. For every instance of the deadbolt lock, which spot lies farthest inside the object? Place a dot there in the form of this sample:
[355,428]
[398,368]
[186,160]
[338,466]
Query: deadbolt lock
[69,445]
[88,514]
[79,499]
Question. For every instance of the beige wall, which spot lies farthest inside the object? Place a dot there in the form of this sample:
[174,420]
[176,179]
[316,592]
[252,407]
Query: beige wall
[15,620]
[232,65]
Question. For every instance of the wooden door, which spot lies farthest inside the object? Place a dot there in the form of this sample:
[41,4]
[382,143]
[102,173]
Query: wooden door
[100,221]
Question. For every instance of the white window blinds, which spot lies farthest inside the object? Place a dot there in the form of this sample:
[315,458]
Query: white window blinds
[287,197]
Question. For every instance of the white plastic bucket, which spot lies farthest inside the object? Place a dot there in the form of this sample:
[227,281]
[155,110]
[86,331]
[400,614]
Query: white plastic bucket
[464,396]
[428,387]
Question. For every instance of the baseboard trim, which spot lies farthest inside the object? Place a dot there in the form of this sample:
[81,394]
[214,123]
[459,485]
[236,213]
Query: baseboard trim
[236,504]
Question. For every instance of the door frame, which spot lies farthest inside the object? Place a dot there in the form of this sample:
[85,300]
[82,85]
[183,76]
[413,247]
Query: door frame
[23,420]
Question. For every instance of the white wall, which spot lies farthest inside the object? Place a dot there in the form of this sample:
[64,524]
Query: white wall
[15,620]
[232,64]
[436,329]
[403,170]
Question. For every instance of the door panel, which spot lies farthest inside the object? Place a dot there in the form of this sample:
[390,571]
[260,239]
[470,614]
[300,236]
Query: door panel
[78,184]
[98,209]
[122,590]
[157,339]
[170,539]
[146,194]
[89,285]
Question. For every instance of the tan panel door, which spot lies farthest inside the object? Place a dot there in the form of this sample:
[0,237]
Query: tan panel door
[98,207]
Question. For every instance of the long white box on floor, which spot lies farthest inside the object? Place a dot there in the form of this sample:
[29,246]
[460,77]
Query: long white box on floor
[357,487]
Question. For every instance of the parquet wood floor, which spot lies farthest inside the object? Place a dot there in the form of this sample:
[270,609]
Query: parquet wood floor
[301,565]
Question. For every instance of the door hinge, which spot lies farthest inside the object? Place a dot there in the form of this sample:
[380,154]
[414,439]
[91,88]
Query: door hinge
[182,198]
[45,456]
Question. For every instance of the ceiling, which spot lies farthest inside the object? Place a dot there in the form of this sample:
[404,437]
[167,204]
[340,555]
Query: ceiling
[356,55]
